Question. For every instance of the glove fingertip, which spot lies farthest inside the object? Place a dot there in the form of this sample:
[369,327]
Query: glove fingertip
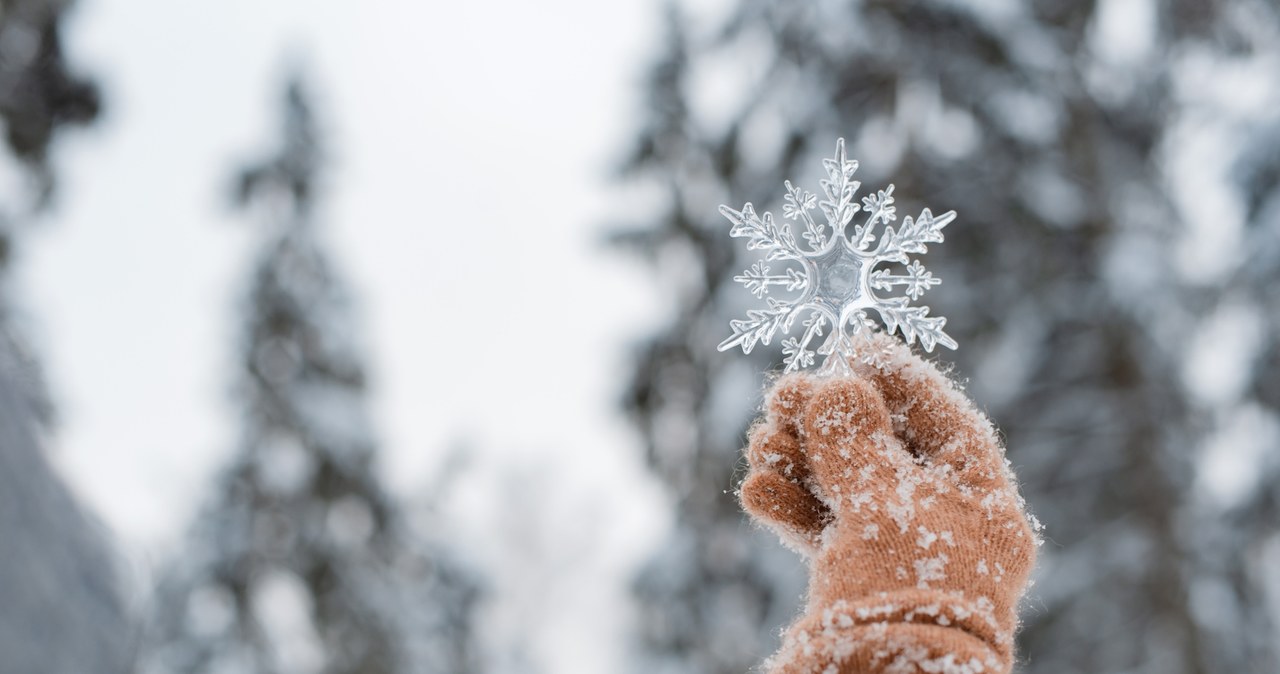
[786,400]
[846,407]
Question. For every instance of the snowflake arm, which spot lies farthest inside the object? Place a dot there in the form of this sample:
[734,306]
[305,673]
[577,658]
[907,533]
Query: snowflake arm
[880,206]
[917,280]
[915,323]
[912,237]
[760,326]
[797,354]
[757,279]
[840,188]
[763,233]
[837,279]
[799,203]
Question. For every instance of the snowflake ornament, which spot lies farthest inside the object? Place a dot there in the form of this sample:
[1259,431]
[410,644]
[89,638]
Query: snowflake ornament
[833,280]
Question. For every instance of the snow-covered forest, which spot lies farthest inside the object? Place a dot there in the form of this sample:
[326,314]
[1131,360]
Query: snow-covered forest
[385,341]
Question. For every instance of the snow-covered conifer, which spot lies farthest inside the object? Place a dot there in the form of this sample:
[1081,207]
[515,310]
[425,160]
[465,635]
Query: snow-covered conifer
[301,560]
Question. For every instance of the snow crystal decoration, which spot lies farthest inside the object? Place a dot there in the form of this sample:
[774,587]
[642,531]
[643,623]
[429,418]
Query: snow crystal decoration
[837,278]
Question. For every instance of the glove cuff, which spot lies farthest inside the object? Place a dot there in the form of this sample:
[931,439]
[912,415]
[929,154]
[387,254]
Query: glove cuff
[902,631]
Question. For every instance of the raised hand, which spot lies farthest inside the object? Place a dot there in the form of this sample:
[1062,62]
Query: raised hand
[897,489]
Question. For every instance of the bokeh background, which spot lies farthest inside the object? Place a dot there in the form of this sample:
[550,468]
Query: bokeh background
[381,338]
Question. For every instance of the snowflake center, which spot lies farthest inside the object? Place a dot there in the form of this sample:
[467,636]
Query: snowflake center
[838,276]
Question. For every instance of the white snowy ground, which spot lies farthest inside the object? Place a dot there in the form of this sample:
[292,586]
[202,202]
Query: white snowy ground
[469,143]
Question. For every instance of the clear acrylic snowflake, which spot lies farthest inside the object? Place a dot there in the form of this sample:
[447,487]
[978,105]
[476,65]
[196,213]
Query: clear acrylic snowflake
[834,279]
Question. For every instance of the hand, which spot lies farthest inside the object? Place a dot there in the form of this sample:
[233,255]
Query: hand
[897,489]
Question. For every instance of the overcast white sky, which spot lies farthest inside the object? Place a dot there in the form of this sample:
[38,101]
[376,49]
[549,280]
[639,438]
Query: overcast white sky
[471,143]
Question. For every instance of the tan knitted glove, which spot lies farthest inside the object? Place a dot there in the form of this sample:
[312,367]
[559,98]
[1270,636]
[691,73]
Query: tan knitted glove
[897,489]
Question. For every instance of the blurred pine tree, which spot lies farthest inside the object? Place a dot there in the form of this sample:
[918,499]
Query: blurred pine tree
[39,97]
[60,605]
[302,559]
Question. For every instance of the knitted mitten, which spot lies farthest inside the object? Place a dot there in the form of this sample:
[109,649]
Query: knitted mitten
[897,489]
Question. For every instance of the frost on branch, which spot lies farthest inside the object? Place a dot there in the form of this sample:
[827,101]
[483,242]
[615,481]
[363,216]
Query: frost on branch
[836,277]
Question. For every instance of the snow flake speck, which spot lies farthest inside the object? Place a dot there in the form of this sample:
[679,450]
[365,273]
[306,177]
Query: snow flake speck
[926,539]
[930,569]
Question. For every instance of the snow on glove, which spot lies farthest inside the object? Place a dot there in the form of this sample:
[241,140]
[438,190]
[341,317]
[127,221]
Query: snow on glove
[897,489]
